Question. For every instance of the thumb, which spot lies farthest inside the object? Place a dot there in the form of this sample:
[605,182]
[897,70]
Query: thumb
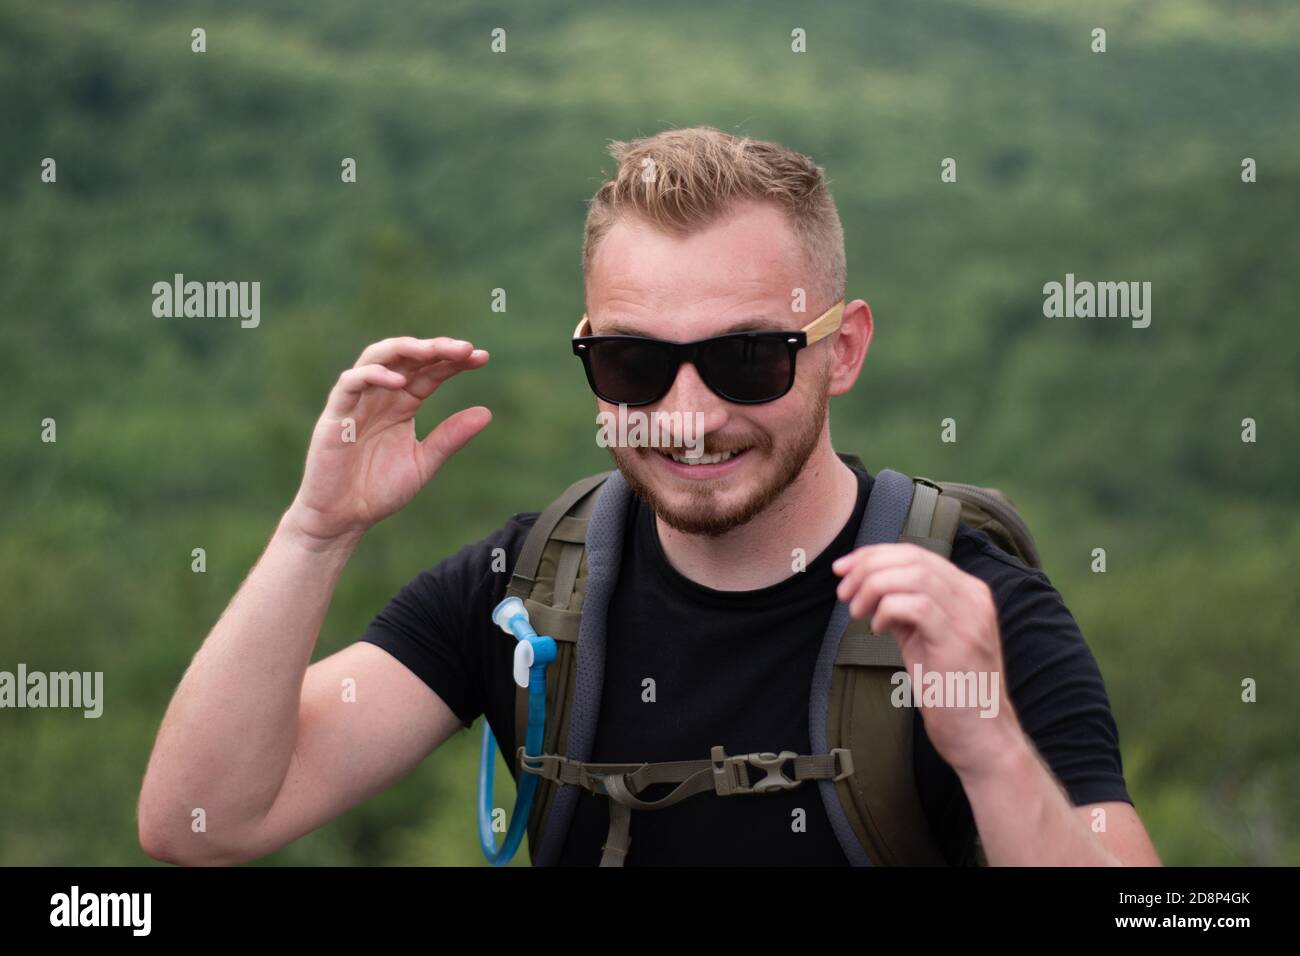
[451,435]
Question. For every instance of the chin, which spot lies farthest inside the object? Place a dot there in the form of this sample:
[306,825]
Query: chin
[706,507]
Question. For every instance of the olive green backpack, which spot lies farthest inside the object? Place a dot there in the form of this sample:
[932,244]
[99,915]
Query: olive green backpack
[862,760]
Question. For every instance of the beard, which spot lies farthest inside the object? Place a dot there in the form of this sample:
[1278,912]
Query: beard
[701,514]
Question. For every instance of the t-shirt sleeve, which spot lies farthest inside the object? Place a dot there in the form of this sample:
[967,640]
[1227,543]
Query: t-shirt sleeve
[1057,690]
[436,623]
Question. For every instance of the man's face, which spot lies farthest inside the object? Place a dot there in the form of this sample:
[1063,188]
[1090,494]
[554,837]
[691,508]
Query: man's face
[744,267]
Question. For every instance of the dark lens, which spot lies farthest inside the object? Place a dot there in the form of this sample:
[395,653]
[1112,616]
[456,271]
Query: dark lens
[747,367]
[630,371]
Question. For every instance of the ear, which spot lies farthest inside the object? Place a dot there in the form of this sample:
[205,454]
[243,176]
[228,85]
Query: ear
[849,346]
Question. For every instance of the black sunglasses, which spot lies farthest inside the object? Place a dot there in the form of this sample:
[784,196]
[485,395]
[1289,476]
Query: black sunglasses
[745,367]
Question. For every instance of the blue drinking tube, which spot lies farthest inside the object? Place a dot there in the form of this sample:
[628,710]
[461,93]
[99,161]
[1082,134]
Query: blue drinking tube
[532,654]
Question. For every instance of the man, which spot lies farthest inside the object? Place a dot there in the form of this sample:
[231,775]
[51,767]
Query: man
[699,234]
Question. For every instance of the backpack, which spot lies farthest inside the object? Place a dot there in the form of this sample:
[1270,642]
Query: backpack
[862,760]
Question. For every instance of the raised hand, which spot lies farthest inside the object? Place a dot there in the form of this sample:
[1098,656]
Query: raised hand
[365,461]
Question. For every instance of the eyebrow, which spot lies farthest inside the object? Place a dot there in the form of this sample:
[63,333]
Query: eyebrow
[753,324]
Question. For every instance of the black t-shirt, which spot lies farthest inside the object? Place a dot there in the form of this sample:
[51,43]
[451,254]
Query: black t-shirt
[735,668]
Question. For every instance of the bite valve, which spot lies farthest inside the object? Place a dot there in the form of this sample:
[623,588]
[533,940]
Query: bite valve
[533,652]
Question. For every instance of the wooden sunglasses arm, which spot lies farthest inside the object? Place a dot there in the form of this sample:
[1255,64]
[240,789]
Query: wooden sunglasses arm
[824,324]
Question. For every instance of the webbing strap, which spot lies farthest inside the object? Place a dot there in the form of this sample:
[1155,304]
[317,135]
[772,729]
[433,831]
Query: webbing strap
[726,774]
[571,529]
[947,516]
[619,838]
[566,574]
[723,774]
[867,649]
[924,498]
[939,528]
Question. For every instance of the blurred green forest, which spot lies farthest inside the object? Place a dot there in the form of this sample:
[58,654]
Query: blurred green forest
[473,174]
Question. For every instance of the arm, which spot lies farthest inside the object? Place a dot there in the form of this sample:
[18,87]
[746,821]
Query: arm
[264,745]
[1025,818]
[223,746]
[946,622]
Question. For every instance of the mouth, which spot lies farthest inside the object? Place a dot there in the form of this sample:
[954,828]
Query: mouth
[703,466]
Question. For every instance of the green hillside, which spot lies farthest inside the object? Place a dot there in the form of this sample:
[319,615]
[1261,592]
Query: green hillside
[473,173]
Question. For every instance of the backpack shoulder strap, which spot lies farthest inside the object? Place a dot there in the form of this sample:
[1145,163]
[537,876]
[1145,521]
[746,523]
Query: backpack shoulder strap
[932,518]
[993,512]
[550,578]
[877,811]
[556,518]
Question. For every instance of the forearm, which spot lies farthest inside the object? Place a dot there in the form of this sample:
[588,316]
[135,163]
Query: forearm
[228,735]
[1025,818]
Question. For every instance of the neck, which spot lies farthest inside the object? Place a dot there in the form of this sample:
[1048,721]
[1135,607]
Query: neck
[808,515]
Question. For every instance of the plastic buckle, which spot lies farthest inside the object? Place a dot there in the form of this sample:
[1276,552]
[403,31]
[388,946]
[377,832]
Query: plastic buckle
[550,765]
[730,774]
[844,761]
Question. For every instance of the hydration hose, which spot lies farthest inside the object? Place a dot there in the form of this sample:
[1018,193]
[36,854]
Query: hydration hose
[532,654]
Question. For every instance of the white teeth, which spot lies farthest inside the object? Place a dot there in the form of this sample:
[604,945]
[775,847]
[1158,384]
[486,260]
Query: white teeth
[703,459]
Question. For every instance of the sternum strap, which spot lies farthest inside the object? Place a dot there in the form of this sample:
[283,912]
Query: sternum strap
[724,775]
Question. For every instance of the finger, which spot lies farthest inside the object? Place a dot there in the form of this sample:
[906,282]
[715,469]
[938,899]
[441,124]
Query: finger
[847,562]
[874,556]
[906,579]
[852,579]
[412,350]
[865,569]
[354,382]
[450,436]
[864,586]
[903,615]
[425,381]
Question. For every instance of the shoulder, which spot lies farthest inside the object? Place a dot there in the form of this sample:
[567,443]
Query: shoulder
[1052,677]
[490,556]
[471,572]
[1032,615]
[1005,574]
[508,538]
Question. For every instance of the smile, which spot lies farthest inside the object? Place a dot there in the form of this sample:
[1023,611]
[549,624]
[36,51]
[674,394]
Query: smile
[703,459]
[703,466]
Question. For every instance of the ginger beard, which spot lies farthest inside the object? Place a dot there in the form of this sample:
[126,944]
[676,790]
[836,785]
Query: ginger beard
[695,506]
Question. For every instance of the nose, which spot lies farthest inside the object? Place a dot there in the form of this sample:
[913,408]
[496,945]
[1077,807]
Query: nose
[689,395]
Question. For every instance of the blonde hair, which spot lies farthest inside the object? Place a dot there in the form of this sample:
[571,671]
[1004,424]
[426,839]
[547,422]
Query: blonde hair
[682,180]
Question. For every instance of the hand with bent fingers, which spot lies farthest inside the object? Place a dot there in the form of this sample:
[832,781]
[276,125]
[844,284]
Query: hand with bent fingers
[365,461]
[945,620]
